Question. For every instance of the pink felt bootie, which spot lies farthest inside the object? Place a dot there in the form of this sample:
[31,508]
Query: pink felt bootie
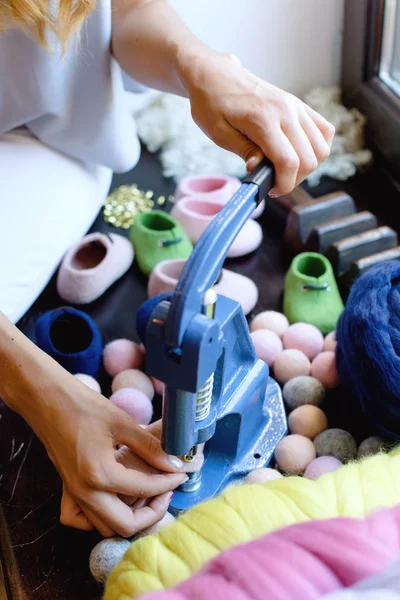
[195,214]
[165,276]
[218,188]
[92,265]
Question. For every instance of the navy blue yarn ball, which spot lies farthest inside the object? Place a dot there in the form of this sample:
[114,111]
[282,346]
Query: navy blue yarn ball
[368,348]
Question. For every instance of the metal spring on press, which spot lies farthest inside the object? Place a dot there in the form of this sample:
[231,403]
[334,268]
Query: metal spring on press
[204,397]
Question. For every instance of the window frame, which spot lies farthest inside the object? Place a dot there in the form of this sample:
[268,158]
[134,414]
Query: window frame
[361,86]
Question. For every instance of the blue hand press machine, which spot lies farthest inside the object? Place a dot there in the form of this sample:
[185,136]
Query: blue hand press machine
[217,391]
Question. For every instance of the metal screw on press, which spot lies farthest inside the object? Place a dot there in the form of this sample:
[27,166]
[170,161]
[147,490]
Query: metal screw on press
[204,397]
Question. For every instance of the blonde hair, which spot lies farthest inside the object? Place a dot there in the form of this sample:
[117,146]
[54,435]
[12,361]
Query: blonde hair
[37,17]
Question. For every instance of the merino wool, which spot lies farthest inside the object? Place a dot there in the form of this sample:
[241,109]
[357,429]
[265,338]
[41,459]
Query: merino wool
[325,556]
[246,512]
[368,346]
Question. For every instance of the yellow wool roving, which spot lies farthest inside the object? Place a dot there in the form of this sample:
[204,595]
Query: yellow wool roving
[244,512]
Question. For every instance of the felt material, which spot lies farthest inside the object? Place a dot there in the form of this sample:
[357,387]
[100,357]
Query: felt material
[304,337]
[219,188]
[133,378]
[135,403]
[321,465]
[92,265]
[318,558]
[319,307]
[272,320]
[165,276]
[195,214]
[294,453]
[121,355]
[368,349]
[244,512]
[157,236]
[72,338]
[323,368]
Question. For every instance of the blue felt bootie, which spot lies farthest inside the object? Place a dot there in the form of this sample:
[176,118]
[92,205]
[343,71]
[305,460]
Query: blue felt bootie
[72,338]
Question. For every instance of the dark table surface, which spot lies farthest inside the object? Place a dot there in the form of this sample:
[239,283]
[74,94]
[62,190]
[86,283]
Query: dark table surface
[42,560]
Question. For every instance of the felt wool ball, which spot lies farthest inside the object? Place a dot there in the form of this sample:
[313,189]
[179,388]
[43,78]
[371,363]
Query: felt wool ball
[330,342]
[304,337]
[272,320]
[262,475]
[133,378]
[158,386]
[372,445]
[89,381]
[337,443]
[135,403]
[267,345]
[303,390]
[105,556]
[121,355]
[321,465]
[166,520]
[291,363]
[307,420]
[323,368]
[294,453]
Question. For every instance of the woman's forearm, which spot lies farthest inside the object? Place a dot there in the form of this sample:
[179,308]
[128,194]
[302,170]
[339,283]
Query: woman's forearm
[153,45]
[24,370]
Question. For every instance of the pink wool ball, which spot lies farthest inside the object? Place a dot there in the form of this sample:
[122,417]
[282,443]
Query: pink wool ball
[135,404]
[262,475]
[330,342]
[294,453]
[272,320]
[133,378]
[304,337]
[323,368]
[321,465]
[267,345]
[121,355]
[89,381]
[307,420]
[291,363]
[158,386]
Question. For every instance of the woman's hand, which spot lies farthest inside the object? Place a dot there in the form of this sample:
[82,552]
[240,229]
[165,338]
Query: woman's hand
[147,511]
[253,119]
[81,430]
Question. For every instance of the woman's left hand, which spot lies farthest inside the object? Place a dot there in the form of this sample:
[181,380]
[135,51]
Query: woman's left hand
[242,113]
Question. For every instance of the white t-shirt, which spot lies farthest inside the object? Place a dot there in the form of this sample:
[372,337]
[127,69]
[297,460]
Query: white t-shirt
[77,103]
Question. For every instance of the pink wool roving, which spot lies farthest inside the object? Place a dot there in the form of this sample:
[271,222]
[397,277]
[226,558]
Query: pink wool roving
[289,364]
[121,355]
[267,345]
[323,368]
[325,556]
[304,337]
[135,403]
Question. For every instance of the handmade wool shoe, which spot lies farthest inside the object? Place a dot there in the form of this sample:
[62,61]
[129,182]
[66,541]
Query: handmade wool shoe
[157,236]
[195,214]
[92,265]
[165,276]
[219,188]
[72,338]
[311,294]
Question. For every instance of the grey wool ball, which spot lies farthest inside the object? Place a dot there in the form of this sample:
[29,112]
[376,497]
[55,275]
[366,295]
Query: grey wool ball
[337,443]
[372,445]
[105,556]
[303,390]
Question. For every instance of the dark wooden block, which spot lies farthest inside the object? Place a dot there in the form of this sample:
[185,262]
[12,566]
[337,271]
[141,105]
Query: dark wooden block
[326,234]
[344,253]
[303,219]
[361,266]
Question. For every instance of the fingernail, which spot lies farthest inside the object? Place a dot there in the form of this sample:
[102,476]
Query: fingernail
[252,163]
[175,462]
[273,194]
[172,495]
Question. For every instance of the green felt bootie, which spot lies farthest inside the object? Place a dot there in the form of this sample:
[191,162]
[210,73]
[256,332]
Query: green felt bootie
[311,293]
[156,236]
